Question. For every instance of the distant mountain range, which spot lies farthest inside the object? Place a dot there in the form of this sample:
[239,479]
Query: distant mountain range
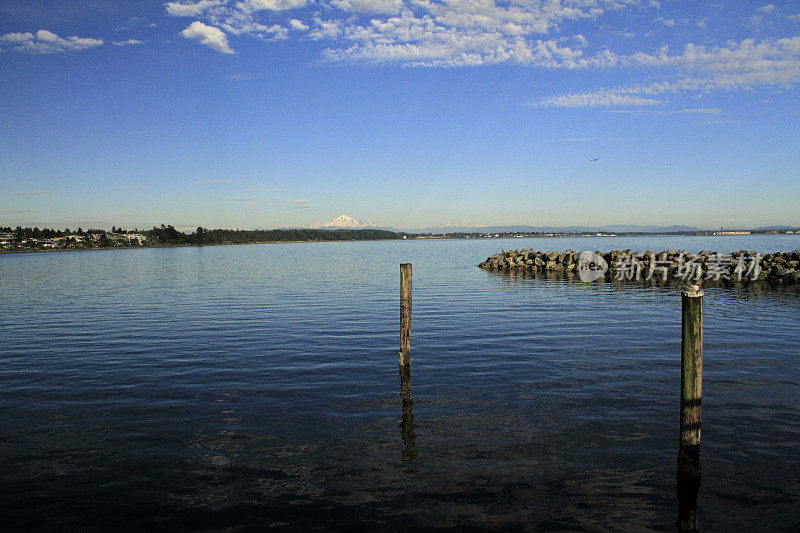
[466,228]
[348,222]
[775,228]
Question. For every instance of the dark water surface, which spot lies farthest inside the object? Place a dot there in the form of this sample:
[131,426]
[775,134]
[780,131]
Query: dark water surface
[246,387]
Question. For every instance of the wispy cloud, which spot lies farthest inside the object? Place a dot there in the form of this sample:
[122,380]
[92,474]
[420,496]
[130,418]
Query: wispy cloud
[742,65]
[130,188]
[588,139]
[134,22]
[301,204]
[575,139]
[595,99]
[684,111]
[30,193]
[241,77]
[47,42]
[700,110]
[184,197]
[127,42]
[719,121]
[218,181]
[762,14]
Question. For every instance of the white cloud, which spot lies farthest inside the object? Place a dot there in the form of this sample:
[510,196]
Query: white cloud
[47,42]
[769,8]
[420,32]
[210,36]
[16,38]
[326,29]
[297,25]
[178,9]
[794,17]
[411,39]
[452,33]
[237,17]
[275,31]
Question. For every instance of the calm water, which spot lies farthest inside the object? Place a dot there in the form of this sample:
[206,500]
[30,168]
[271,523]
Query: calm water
[246,387]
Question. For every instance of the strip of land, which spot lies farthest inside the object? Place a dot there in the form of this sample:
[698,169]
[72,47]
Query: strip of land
[37,239]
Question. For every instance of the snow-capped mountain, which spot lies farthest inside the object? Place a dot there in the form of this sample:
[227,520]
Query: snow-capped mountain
[346,222]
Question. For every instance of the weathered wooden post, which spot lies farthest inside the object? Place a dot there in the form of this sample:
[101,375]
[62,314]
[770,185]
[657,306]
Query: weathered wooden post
[405,314]
[688,484]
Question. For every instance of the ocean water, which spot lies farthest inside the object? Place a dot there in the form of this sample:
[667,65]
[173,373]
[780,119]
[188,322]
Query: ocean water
[257,386]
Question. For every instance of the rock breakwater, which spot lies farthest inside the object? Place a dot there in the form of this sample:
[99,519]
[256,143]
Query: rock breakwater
[743,266]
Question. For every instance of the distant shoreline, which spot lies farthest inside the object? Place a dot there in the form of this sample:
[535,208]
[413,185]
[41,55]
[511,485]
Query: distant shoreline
[416,238]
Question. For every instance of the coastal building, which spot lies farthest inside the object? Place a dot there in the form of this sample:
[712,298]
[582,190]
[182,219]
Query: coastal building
[138,237]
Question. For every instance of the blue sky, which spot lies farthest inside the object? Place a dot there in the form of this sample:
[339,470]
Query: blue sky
[274,113]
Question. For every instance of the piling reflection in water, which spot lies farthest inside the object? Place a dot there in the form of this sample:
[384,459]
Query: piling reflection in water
[688,486]
[407,425]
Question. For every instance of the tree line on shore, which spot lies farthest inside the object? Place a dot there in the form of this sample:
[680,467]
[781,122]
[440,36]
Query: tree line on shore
[35,237]
[169,235]
[21,233]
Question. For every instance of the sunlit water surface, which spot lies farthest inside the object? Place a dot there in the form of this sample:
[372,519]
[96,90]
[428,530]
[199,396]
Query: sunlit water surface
[245,387]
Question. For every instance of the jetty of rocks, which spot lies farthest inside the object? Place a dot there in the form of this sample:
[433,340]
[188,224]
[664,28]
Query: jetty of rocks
[744,266]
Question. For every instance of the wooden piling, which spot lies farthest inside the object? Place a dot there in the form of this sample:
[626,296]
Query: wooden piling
[688,479]
[691,367]
[405,314]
